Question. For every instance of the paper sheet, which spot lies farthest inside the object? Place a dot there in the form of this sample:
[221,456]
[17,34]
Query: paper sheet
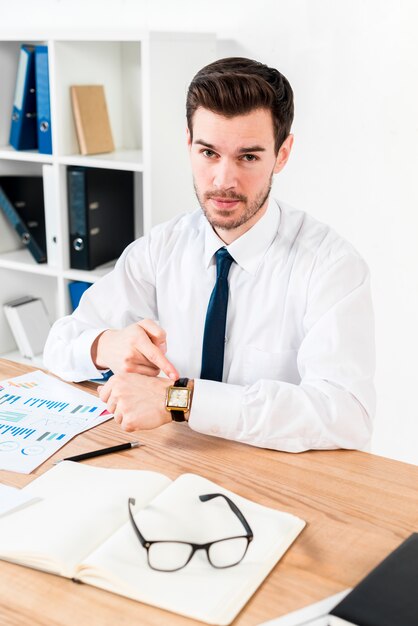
[38,415]
[315,614]
[12,499]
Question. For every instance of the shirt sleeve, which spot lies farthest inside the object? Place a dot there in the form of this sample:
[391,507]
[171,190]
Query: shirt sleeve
[334,403]
[122,297]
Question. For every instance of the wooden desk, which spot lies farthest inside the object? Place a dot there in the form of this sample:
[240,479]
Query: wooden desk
[358,507]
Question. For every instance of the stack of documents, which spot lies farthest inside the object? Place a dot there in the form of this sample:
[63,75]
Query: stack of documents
[38,415]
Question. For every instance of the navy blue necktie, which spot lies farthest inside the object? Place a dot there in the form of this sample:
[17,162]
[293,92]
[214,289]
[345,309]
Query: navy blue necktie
[214,334]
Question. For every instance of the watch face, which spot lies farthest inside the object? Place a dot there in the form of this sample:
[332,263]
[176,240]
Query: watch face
[178,398]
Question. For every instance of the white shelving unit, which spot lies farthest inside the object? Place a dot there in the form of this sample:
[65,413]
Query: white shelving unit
[145,76]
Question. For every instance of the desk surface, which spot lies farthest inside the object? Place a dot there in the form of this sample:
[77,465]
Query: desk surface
[358,508]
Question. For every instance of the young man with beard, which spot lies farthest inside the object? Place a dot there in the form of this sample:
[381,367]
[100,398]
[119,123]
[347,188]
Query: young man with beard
[265,310]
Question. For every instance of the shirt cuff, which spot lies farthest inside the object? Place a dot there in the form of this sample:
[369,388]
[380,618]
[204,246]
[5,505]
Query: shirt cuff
[216,408]
[83,362]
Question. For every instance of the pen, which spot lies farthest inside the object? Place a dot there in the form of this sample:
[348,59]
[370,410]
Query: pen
[94,453]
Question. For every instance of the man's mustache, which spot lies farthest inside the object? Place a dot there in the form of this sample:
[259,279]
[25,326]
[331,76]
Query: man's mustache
[220,194]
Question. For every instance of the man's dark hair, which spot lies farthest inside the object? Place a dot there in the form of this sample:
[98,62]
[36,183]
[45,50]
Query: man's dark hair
[236,86]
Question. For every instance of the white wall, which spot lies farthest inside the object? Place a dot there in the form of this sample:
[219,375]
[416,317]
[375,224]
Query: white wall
[353,67]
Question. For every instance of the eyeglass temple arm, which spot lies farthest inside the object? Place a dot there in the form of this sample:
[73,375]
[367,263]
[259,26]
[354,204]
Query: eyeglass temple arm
[144,542]
[209,496]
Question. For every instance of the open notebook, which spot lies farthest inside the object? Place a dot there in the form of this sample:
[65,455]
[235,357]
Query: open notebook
[80,529]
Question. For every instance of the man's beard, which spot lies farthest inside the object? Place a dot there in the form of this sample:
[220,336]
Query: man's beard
[248,212]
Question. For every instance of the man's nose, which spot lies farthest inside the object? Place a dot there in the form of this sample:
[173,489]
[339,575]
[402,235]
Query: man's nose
[225,175]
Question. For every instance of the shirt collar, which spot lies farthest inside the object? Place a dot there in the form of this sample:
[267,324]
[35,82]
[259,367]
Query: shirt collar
[249,249]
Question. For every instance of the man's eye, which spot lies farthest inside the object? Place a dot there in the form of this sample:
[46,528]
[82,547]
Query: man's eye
[208,153]
[249,158]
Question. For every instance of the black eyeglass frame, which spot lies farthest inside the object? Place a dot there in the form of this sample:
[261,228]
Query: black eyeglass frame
[249,536]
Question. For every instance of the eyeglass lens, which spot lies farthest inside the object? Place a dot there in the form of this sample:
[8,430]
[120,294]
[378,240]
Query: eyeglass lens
[228,552]
[171,555]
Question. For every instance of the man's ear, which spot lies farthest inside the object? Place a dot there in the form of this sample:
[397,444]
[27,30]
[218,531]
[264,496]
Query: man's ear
[189,138]
[284,153]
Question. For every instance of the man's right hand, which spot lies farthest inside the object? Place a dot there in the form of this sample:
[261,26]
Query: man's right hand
[139,348]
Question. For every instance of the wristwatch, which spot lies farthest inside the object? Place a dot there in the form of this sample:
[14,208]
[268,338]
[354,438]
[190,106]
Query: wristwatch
[178,399]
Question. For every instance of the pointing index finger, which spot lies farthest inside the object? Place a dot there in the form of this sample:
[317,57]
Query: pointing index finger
[154,346]
[155,356]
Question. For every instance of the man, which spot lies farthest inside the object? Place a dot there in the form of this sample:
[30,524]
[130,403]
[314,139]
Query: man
[266,310]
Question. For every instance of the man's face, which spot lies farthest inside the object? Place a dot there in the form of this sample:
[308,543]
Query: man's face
[233,161]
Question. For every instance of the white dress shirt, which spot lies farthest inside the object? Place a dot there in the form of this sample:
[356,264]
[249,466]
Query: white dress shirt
[299,346]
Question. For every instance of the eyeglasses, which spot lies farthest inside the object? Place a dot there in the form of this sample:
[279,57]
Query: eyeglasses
[170,556]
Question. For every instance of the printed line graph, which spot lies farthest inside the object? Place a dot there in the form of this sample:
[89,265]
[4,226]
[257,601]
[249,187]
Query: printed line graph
[58,422]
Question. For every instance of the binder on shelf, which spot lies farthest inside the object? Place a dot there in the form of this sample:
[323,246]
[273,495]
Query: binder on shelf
[43,110]
[91,119]
[51,205]
[21,228]
[27,196]
[29,323]
[23,133]
[76,289]
[101,215]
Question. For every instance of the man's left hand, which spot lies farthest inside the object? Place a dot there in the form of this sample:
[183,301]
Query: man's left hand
[136,401]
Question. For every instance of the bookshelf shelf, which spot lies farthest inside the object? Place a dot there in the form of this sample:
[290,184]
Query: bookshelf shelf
[9,153]
[129,160]
[145,77]
[16,356]
[22,261]
[89,277]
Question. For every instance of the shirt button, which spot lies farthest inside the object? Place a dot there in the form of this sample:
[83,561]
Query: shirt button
[214,429]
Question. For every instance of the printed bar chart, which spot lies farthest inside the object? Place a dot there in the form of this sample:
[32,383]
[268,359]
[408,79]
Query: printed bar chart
[27,385]
[16,431]
[84,408]
[42,436]
[51,436]
[51,405]
[26,433]
[47,404]
[9,398]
